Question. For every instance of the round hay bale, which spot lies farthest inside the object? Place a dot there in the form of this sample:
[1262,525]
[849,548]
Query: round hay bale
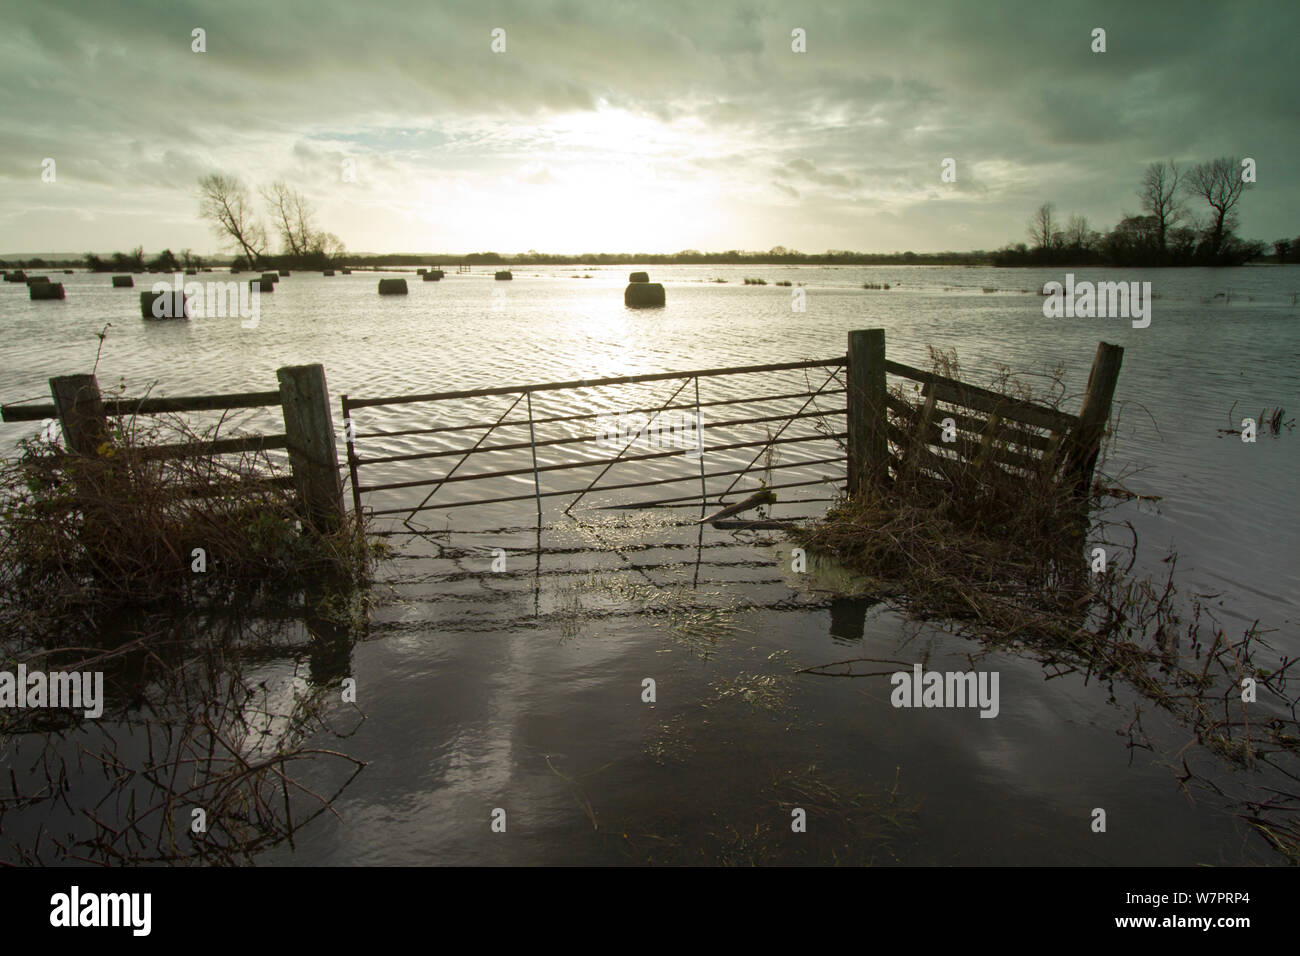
[15,276]
[262,285]
[639,277]
[347,272]
[284,272]
[32,280]
[504,275]
[164,305]
[272,276]
[328,272]
[123,282]
[392,287]
[438,273]
[67,272]
[46,290]
[431,276]
[420,272]
[643,295]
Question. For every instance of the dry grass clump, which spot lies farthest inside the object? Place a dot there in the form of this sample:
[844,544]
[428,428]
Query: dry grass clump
[131,526]
[960,538]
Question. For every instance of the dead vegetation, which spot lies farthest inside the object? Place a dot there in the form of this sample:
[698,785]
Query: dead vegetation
[1012,556]
[188,581]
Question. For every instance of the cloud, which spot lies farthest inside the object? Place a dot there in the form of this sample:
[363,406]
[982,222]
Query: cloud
[590,94]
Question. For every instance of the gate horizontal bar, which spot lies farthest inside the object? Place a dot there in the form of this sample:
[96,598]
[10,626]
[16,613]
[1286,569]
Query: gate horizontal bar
[589,383]
[599,461]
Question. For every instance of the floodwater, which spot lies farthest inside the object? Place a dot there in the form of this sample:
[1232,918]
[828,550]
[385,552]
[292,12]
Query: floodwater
[521,689]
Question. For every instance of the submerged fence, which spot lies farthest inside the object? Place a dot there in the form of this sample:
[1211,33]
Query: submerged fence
[883,433]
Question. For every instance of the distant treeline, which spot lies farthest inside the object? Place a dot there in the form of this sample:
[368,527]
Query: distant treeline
[777,256]
[1166,233]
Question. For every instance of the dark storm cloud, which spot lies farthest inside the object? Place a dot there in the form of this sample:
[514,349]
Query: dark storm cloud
[883,94]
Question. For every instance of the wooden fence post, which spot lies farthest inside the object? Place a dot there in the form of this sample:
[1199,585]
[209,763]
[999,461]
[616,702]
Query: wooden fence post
[81,412]
[868,445]
[80,408]
[309,427]
[1085,444]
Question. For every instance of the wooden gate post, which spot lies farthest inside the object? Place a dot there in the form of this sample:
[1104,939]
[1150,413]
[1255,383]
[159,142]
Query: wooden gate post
[100,493]
[868,447]
[81,412]
[309,427]
[1085,443]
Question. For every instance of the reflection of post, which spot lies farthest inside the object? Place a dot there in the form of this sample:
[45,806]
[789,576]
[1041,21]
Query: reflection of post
[330,653]
[848,618]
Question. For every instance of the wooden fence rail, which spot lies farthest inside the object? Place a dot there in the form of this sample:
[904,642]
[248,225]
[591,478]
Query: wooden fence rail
[1023,437]
[987,429]
[308,429]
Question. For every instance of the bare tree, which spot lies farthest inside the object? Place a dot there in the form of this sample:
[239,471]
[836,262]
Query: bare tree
[1042,226]
[326,244]
[1220,184]
[1159,195]
[294,217]
[224,202]
[1077,234]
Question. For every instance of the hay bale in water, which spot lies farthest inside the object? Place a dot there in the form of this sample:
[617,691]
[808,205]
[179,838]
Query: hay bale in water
[67,272]
[639,277]
[347,272]
[392,287]
[641,295]
[32,280]
[273,276]
[504,275]
[261,285]
[15,276]
[169,305]
[284,272]
[46,290]
[431,276]
[123,282]
[420,272]
[328,272]
[437,273]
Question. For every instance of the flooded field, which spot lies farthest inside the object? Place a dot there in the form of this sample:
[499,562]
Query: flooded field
[504,660]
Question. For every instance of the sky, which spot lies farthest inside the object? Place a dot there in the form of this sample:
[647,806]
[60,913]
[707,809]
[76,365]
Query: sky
[610,126]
